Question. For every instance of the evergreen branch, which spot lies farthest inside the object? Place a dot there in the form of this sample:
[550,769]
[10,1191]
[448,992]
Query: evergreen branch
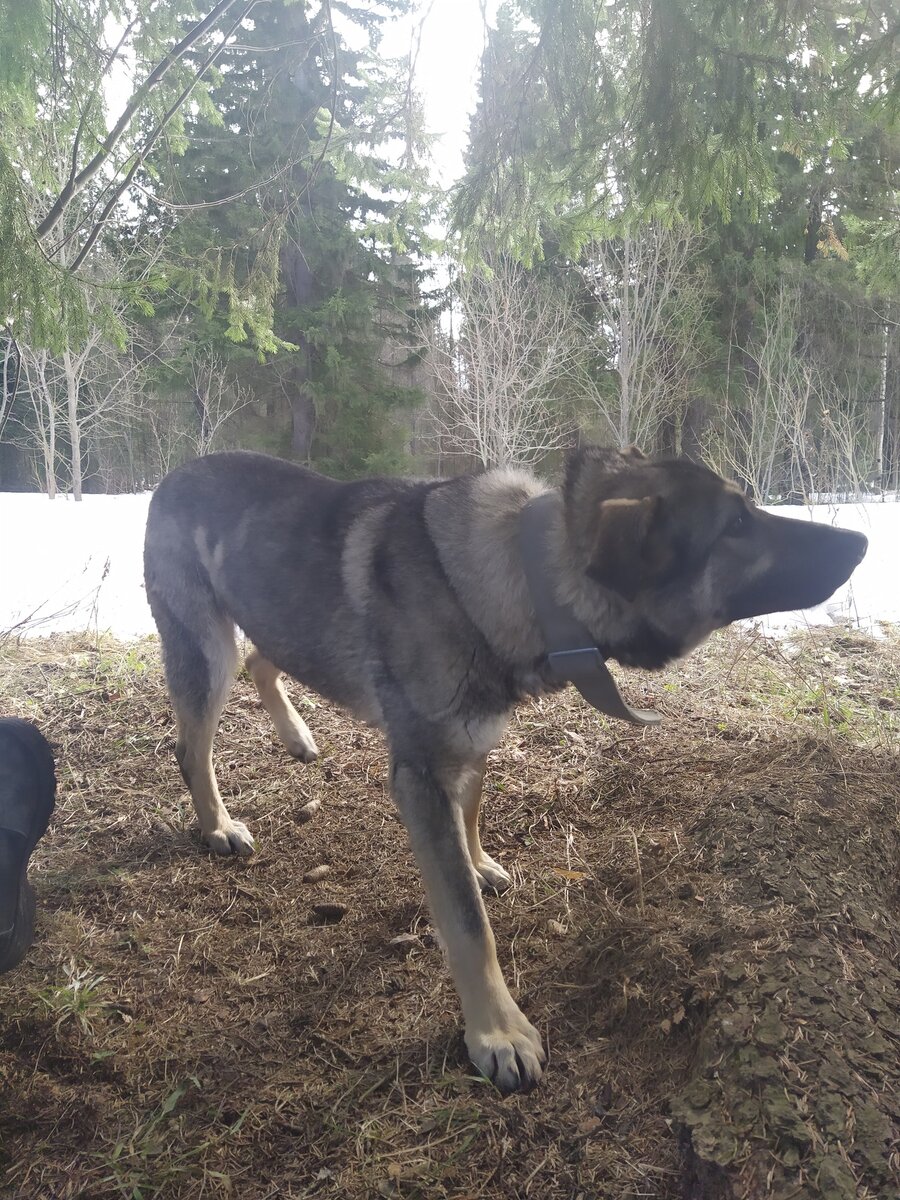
[202,205]
[154,136]
[75,185]
[311,177]
[79,132]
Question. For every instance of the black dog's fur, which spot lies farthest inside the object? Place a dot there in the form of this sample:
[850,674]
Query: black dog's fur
[27,796]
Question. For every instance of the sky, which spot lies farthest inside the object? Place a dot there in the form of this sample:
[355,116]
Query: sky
[448,37]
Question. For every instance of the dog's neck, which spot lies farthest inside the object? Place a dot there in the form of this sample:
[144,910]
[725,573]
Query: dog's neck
[572,652]
[475,524]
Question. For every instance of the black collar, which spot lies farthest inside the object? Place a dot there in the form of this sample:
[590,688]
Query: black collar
[571,651]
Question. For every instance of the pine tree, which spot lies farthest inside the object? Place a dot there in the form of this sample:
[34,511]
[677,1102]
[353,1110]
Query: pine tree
[306,226]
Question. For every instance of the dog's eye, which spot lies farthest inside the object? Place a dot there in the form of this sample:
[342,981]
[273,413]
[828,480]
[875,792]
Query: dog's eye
[738,526]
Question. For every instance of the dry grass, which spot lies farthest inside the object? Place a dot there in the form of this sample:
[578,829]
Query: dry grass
[186,1027]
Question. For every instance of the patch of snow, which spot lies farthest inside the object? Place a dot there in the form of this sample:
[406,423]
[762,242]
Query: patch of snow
[67,567]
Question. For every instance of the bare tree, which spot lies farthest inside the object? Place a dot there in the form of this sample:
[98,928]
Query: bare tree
[651,304]
[10,376]
[44,396]
[792,436]
[502,388]
[216,398]
[197,427]
[78,398]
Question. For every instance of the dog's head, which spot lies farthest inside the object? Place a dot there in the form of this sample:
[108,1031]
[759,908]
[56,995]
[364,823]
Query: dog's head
[688,553]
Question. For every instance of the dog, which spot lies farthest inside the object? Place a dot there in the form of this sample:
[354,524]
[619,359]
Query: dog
[27,798]
[407,603]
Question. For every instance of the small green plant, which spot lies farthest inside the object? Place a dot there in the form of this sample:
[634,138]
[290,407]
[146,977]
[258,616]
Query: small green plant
[78,999]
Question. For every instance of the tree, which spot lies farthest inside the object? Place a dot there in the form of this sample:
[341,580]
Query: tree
[77,395]
[650,303]
[64,167]
[672,108]
[278,168]
[503,388]
[773,130]
[792,433]
[305,195]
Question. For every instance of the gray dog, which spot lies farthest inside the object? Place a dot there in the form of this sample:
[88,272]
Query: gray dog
[430,609]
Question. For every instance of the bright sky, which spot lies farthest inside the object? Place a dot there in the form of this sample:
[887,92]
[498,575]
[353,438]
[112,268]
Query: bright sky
[450,36]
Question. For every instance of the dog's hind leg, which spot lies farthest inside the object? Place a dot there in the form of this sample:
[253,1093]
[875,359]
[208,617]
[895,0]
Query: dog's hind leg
[200,658]
[490,874]
[501,1041]
[289,725]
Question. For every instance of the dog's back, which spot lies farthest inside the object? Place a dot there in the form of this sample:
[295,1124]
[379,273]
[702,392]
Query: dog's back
[244,539]
[229,514]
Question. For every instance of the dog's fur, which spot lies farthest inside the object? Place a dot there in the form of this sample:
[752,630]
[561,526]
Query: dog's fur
[27,797]
[406,602]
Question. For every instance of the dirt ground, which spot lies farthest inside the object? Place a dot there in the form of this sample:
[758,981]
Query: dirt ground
[704,925]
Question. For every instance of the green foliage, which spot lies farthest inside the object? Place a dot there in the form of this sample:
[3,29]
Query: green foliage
[65,163]
[669,109]
[79,1000]
[307,186]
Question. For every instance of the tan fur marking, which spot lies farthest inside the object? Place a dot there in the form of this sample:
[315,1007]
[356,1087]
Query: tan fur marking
[289,725]
[490,873]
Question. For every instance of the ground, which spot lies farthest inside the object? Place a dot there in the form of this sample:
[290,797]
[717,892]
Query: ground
[190,1027]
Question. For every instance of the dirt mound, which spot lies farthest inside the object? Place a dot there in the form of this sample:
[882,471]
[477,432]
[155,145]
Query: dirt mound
[704,924]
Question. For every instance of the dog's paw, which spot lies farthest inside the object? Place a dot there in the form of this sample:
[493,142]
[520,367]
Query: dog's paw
[491,876]
[231,838]
[510,1055]
[300,744]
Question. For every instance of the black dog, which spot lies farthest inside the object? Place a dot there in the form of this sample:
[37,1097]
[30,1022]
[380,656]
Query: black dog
[27,797]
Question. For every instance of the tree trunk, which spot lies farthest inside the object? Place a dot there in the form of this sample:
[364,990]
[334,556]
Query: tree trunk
[43,401]
[301,291]
[693,422]
[72,416]
[813,227]
[881,424]
[303,420]
[49,449]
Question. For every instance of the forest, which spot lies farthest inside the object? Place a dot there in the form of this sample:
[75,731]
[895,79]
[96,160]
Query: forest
[226,224]
[677,227]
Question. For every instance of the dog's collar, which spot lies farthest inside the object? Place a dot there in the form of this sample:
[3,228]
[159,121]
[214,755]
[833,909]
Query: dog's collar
[571,651]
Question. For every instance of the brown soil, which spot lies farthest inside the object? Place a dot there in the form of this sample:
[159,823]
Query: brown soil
[704,925]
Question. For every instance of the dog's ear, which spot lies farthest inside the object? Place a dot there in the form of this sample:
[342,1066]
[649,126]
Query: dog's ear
[628,550]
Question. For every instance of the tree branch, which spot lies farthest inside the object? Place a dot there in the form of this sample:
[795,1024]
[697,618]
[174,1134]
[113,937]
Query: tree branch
[76,183]
[153,137]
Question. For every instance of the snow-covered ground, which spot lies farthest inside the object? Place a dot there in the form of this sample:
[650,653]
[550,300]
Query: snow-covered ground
[68,567]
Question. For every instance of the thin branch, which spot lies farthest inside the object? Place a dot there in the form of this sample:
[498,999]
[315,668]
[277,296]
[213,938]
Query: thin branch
[75,185]
[153,137]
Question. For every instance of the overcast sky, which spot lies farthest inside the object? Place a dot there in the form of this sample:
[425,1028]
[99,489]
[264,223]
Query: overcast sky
[450,40]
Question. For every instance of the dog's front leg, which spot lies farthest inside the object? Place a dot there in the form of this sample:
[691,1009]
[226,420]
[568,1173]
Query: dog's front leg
[502,1043]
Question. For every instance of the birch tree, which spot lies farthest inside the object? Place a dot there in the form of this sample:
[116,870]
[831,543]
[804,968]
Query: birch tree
[502,388]
[791,434]
[650,307]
